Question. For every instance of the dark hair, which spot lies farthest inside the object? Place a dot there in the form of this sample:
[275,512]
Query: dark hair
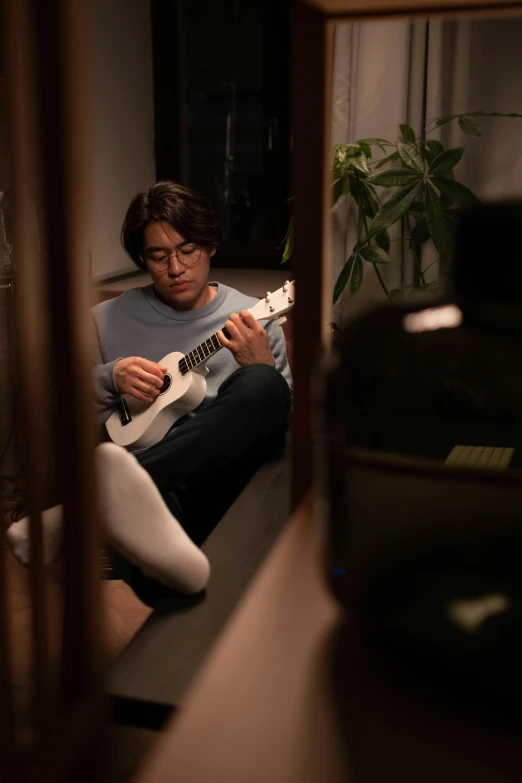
[186,210]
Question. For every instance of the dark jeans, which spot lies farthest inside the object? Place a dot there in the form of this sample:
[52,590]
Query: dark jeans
[202,468]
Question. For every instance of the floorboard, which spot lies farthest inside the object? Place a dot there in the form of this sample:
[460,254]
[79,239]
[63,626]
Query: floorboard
[160,662]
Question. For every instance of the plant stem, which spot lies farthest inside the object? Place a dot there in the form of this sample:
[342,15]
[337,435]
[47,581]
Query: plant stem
[381,281]
[437,260]
[377,272]
[414,250]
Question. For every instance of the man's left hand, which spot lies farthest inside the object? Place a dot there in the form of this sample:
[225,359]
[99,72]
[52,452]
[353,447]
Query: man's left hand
[248,341]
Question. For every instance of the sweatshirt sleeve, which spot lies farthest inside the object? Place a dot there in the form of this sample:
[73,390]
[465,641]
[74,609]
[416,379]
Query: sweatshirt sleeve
[105,391]
[276,337]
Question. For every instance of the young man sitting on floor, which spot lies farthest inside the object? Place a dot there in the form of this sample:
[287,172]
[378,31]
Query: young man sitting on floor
[186,481]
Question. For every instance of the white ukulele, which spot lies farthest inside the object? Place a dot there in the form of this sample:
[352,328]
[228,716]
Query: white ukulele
[142,424]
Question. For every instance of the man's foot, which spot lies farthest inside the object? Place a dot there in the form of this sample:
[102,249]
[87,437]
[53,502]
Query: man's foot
[138,524]
[135,521]
[20,542]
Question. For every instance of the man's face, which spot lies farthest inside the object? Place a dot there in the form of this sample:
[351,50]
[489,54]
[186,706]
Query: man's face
[180,286]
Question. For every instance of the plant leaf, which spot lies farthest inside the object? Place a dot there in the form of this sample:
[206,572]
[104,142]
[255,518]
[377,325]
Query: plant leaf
[446,160]
[360,162]
[342,159]
[393,209]
[375,255]
[373,202]
[408,134]
[436,220]
[365,147]
[289,242]
[411,157]
[343,277]
[388,159]
[394,176]
[360,223]
[469,126]
[458,193]
[417,206]
[420,233]
[355,188]
[431,152]
[491,114]
[357,275]
[383,240]
[337,190]
[443,120]
[434,146]
[376,142]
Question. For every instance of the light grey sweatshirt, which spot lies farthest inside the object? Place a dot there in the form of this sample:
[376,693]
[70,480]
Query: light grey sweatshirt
[137,323]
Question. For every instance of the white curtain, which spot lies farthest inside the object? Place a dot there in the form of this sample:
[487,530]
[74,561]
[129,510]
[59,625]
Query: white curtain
[370,98]
[391,72]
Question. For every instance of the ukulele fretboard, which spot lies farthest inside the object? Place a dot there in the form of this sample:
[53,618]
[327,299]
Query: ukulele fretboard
[200,354]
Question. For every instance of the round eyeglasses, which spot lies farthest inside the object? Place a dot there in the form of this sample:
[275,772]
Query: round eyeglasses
[159,260]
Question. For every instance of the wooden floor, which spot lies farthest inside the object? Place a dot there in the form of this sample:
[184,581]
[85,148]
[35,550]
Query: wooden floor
[156,670]
[234,548]
[124,615]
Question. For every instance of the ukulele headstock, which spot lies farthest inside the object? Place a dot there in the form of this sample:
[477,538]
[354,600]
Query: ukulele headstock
[275,304]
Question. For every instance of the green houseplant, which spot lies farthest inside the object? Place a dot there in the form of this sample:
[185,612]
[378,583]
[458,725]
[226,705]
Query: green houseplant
[421,191]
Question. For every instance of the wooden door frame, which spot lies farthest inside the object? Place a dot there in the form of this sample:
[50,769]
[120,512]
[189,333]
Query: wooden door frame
[313,29]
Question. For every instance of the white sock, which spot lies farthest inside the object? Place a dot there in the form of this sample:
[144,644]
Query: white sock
[19,539]
[138,524]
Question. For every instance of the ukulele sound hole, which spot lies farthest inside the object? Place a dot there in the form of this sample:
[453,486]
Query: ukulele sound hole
[167,380]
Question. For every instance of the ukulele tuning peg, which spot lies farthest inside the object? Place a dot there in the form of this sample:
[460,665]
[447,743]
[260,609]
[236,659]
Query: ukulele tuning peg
[285,287]
[267,297]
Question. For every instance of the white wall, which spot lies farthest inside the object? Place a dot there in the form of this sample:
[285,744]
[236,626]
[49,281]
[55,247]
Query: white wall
[121,123]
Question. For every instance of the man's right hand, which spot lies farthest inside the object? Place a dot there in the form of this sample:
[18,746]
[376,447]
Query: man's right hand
[139,377]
